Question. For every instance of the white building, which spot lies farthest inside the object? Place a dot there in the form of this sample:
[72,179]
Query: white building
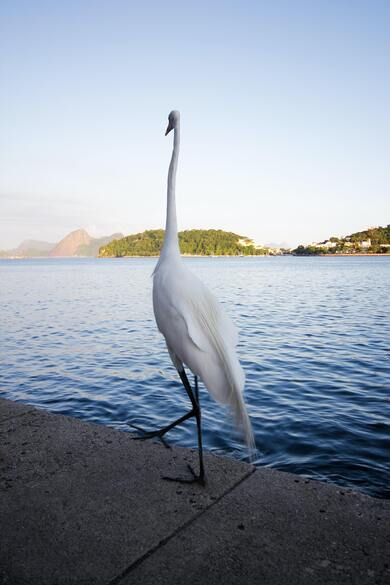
[326,245]
[365,243]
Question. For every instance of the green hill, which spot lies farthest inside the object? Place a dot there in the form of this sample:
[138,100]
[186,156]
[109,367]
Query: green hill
[371,241]
[193,242]
[378,236]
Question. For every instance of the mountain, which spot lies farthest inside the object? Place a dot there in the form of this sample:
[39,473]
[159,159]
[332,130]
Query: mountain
[193,242]
[77,243]
[279,245]
[68,246]
[92,249]
[30,249]
[28,245]
[80,243]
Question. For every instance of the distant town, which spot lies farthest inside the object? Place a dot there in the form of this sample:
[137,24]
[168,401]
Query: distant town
[374,240]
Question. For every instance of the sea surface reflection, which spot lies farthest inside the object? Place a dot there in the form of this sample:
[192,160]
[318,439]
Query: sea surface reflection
[78,337]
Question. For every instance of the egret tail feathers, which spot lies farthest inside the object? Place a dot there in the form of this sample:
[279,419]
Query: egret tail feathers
[242,419]
[233,394]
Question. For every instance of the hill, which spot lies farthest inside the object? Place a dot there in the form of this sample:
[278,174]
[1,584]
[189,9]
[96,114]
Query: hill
[29,245]
[77,243]
[192,242]
[80,243]
[30,249]
[370,241]
[68,246]
[92,249]
[378,236]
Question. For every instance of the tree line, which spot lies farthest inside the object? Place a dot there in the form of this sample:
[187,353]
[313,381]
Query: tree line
[192,242]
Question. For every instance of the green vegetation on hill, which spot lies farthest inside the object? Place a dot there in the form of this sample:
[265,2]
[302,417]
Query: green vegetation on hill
[378,236]
[196,242]
[308,251]
[370,241]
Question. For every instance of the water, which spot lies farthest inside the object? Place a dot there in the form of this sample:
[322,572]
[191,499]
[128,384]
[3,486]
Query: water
[78,337]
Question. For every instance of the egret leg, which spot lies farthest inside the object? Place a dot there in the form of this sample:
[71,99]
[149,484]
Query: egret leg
[199,430]
[160,432]
[197,413]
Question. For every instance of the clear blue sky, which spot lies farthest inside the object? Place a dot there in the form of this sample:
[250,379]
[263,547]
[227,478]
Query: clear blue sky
[284,104]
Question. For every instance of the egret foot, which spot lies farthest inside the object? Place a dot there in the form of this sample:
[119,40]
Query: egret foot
[149,435]
[195,478]
[161,432]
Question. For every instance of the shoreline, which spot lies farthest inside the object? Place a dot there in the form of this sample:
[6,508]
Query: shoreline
[336,255]
[196,256]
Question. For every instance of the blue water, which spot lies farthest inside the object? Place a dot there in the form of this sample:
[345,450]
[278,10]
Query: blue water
[78,337]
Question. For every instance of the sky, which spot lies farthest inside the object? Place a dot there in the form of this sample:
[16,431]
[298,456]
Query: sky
[285,118]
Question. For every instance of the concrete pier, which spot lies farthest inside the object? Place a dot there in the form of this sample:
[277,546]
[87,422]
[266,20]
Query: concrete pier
[85,504]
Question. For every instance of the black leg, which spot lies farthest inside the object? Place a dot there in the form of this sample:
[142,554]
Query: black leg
[160,432]
[199,429]
[197,413]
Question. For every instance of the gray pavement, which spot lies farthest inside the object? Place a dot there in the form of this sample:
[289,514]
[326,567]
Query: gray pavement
[85,504]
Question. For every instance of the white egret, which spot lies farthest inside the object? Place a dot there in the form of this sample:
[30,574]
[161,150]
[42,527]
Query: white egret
[197,332]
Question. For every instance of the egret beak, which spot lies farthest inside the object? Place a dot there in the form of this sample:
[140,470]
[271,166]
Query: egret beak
[170,127]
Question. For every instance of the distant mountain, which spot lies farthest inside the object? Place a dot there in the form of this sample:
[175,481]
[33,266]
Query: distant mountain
[80,243]
[30,249]
[27,245]
[279,245]
[92,249]
[77,243]
[68,246]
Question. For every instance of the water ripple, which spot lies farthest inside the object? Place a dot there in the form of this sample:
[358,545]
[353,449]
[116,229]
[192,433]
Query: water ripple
[78,337]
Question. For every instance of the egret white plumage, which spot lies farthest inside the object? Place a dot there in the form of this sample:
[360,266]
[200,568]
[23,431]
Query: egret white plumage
[197,331]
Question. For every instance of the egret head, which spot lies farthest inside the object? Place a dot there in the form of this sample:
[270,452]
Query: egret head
[173,120]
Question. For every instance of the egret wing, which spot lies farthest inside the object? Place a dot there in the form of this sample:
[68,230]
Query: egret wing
[203,316]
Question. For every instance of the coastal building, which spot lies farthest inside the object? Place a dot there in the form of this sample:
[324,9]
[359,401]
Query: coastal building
[365,243]
[327,244]
[246,242]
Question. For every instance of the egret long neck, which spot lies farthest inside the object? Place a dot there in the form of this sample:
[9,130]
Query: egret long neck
[171,241]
